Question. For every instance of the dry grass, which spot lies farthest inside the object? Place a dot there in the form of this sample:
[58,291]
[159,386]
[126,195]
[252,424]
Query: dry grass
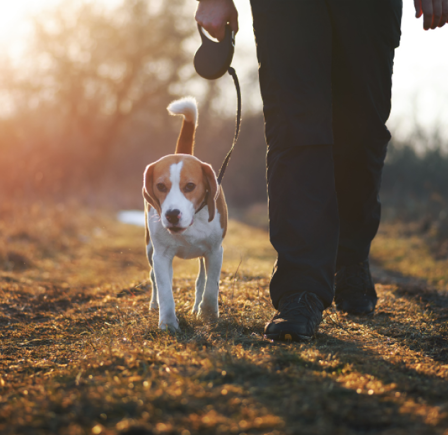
[405,250]
[81,353]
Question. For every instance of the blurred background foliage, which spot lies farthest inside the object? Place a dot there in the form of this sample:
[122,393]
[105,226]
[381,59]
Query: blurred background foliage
[84,113]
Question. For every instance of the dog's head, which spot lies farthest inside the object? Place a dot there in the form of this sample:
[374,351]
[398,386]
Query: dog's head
[176,186]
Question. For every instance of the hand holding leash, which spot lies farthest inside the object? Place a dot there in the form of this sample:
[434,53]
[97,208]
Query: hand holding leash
[213,15]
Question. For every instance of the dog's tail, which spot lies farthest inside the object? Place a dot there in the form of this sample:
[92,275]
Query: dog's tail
[187,107]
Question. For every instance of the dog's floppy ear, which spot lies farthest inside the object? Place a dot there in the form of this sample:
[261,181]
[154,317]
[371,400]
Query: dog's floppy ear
[148,190]
[212,187]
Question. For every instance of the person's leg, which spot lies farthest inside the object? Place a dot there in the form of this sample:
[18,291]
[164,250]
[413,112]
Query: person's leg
[361,75]
[303,221]
[294,52]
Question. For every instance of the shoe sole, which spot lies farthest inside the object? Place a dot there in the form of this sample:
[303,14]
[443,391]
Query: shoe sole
[285,336]
[356,312]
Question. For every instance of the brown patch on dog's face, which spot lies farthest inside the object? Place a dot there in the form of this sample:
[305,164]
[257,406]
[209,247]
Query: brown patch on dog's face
[156,181]
[161,179]
[191,182]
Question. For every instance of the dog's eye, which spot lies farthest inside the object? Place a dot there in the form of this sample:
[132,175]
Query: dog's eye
[189,187]
[161,187]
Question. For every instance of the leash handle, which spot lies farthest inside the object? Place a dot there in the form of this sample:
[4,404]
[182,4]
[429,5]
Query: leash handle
[212,59]
[225,163]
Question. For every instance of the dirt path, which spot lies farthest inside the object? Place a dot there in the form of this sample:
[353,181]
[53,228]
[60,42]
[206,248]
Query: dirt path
[81,353]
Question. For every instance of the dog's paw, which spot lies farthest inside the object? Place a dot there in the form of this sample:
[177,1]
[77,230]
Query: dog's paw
[172,327]
[153,306]
[195,310]
[208,314]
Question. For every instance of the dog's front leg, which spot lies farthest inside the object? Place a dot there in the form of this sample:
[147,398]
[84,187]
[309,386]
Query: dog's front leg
[154,304]
[163,269]
[208,308]
[200,285]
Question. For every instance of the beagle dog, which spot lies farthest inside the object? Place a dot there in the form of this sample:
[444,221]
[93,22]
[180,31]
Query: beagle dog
[185,216]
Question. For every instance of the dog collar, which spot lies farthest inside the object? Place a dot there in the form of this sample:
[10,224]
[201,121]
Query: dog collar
[204,203]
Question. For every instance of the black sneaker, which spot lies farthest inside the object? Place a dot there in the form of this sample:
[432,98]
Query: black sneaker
[297,318]
[354,289]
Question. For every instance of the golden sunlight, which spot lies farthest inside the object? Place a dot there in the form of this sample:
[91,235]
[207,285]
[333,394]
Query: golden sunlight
[14,19]
[12,14]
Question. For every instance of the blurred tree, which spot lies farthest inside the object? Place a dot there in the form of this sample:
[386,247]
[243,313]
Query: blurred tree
[89,70]
[104,67]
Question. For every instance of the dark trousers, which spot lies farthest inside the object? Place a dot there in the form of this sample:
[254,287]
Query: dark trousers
[325,69]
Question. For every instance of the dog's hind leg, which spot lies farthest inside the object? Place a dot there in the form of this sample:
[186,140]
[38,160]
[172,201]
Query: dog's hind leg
[154,304]
[200,286]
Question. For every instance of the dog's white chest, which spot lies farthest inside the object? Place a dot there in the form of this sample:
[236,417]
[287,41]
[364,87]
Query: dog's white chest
[199,239]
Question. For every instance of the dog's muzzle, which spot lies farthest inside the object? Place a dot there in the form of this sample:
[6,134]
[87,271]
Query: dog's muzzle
[173,218]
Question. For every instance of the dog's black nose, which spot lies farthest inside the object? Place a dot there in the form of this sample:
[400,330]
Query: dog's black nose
[173,216]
